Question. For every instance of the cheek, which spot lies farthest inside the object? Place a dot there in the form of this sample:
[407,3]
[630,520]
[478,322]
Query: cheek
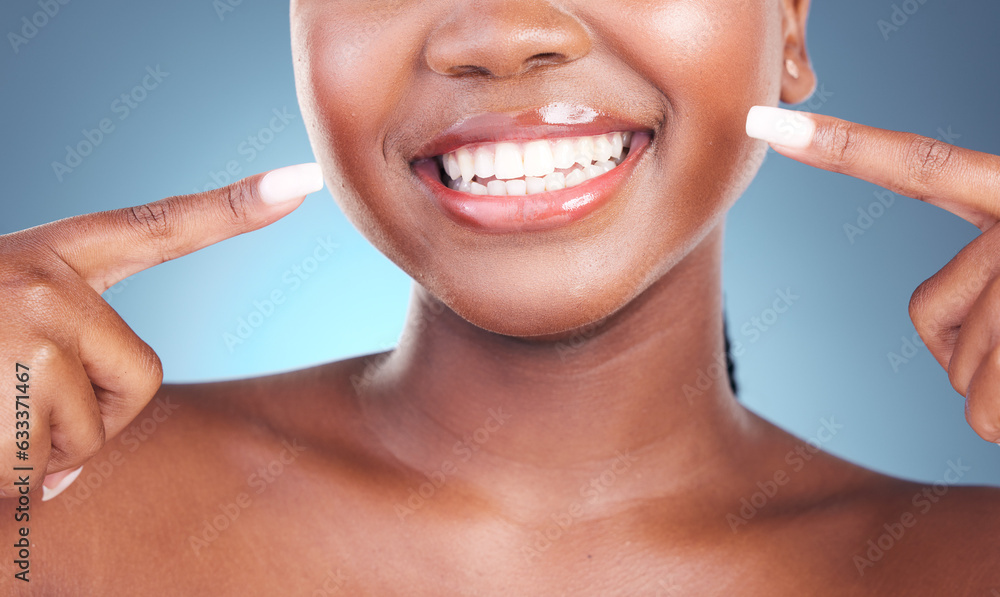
[353,67]
[711,60]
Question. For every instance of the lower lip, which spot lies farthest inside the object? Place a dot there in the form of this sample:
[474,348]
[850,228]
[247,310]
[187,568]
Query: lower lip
[527,213]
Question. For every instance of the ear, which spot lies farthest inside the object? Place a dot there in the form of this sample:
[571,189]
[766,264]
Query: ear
[796,90]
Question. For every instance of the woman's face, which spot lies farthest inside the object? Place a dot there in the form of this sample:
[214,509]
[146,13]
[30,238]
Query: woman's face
[389,86]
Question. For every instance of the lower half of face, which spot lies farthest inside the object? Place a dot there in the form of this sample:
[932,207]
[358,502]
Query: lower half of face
[404,99]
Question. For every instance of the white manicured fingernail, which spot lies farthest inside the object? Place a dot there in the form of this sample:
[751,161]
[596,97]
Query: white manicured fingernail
[59,482]
[780,126]
[290,182]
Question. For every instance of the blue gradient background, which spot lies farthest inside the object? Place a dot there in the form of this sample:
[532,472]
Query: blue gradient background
[826,356]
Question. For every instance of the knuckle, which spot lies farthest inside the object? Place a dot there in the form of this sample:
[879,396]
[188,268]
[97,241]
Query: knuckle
[236,201]
[841,140]
[45,353]
[97,439]
[985,424]
[92,438]
[153,221]
[32,287]
[958,377]
[926,160]
[154,369]
[920,305]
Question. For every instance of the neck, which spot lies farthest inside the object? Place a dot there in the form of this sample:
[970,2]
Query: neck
[632,385]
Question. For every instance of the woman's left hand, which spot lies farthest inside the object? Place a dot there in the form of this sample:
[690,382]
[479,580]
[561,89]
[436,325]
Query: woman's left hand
[957,310]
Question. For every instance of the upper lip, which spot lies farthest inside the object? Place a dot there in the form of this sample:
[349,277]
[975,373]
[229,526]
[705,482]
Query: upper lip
[496,127]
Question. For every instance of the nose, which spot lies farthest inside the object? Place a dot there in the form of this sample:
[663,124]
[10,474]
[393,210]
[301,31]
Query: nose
[500,38]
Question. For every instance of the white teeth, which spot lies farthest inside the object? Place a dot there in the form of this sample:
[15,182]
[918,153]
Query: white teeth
[496,188]
[451,166]
[584,151]
[483,158]
[465,163]
[575,177]
[564,155]
[538,159]
[517,187]
[593,171]
[555,181]
[602,149]
[533,167]
[509,161]
[536,185]
[617,146]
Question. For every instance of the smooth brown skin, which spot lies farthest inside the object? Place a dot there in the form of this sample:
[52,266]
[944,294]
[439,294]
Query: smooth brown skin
[373,427]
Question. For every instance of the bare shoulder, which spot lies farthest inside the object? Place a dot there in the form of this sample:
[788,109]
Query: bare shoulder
[944,533]
[861,532]
[168,490]
[895,536]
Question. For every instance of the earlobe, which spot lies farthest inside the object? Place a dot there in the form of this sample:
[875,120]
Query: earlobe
[798,81]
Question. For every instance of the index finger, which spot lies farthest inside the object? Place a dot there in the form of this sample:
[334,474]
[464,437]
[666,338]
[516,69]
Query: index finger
[962,181]
[107,247]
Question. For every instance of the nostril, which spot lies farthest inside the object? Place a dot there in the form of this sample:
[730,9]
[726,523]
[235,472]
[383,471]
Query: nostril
[497,39]
[470,69]
[548,57]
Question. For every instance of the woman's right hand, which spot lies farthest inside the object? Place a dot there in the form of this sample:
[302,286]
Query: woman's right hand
[86,375]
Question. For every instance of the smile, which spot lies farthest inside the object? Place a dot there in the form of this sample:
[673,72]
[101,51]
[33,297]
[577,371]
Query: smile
[539,166]
[500,176]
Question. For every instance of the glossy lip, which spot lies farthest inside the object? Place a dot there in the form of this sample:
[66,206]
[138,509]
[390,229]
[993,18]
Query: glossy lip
[546,122]
[542,211]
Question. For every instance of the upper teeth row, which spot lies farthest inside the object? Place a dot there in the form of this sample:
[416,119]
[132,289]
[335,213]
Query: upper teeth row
[537,159]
